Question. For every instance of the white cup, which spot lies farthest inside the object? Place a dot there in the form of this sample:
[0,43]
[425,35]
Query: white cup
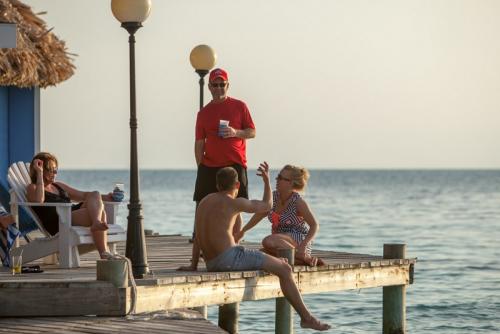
[119,187]
[222,124]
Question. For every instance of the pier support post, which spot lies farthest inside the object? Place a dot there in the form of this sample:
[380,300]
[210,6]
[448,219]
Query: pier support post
[228,317]
[394,297]
[284,311]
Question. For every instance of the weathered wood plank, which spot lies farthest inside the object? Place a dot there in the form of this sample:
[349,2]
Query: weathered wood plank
[362,278]
[73,299]
[265,287]
[101,325]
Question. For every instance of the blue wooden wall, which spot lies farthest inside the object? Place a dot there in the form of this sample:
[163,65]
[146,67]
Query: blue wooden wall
[19,133]
[4,140]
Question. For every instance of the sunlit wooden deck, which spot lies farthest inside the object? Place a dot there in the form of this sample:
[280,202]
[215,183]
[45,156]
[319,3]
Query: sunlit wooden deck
[75,292]
[185,321]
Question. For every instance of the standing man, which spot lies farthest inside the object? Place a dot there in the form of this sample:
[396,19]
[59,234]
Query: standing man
[218,147]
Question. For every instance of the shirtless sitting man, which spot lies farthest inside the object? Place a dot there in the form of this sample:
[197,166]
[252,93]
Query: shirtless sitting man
[214,221]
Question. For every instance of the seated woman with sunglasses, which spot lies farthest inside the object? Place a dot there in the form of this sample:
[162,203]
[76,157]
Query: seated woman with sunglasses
[293,224]
[88,212]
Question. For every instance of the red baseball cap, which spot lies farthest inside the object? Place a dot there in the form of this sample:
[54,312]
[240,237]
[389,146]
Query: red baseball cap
[218,73]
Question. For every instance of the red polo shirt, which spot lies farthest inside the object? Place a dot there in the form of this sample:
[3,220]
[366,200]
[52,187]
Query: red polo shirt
[220,151]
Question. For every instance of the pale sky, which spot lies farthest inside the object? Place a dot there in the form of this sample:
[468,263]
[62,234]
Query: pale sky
[329,84]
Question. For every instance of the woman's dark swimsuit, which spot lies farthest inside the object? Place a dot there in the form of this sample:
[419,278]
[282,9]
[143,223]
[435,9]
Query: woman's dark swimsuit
[48,215]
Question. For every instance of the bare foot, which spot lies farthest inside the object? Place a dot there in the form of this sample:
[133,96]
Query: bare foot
[106,255]
[310,261]
[314,323]
[99,227]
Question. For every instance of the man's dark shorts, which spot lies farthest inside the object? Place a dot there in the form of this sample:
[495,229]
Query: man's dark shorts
[205,181]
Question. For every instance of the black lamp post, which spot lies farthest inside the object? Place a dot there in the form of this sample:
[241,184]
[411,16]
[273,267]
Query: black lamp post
[203,59]
[131,13]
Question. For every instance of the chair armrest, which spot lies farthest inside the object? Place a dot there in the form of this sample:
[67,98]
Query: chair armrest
[43,204]
[111,209]
[63,211]
[112,203]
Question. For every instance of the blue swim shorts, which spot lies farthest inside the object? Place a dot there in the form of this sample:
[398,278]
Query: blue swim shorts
[237,258]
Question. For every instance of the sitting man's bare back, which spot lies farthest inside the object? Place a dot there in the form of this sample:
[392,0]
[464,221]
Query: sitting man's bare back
[214,221]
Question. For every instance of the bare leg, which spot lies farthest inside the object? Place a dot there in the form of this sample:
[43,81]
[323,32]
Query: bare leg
[283,270]
[104,218]
[101,236]
[273,242]
[100,241]
[81,217]
[95,207]
[276,241]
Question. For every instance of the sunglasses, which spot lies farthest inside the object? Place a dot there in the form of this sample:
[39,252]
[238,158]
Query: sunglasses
[218,85]
[51,170]
[279,177]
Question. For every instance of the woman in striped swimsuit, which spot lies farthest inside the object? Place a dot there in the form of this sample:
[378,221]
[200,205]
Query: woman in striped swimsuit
[293,224]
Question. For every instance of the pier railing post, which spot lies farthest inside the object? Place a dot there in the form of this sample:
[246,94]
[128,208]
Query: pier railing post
[284,311]
[394,297]
[228,317]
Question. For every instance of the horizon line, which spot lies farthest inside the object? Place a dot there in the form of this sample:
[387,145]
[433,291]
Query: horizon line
[311,169]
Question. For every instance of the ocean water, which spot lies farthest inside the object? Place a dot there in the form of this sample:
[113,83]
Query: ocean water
[449,219]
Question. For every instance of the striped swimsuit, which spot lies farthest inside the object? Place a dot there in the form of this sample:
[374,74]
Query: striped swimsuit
[288,221]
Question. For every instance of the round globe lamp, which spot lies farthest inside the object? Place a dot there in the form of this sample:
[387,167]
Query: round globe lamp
[203,59]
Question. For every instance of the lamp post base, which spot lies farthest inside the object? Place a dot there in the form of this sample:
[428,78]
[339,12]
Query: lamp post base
[136,241]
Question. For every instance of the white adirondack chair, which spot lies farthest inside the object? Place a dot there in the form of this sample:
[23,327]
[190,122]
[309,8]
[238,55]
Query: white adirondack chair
[71,240]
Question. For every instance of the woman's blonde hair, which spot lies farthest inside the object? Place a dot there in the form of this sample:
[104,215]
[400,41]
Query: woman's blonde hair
[299,176]
[46,158]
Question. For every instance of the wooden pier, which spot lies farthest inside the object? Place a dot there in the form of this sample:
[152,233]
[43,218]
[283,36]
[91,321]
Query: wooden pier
[185,322]
[76,292]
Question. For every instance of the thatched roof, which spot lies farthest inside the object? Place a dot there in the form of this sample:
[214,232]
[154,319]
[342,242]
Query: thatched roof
[40,59]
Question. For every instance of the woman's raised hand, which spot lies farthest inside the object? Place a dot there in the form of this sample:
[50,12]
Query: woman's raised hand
[263,171]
